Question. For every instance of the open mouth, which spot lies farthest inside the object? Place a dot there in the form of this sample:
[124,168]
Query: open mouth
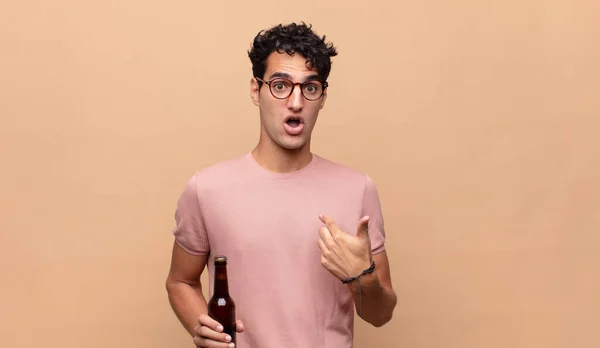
[294,125]
[293,122]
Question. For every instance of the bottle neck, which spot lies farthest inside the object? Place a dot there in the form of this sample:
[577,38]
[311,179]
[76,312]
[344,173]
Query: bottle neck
[221,286]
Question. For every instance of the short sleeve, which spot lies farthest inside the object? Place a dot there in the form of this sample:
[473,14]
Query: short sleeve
[371,206]
[189,230]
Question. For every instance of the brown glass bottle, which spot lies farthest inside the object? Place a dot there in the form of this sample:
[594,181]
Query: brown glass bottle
[221,306]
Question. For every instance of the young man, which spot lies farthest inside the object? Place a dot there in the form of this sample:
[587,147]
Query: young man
[296,228]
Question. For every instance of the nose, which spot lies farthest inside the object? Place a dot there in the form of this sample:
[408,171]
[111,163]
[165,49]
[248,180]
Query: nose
[296,100]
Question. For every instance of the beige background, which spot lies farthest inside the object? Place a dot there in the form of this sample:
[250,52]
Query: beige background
[478,121]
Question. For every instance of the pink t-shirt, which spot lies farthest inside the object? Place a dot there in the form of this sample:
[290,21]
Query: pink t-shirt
[267,225]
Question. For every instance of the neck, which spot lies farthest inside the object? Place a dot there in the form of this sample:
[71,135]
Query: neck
[280,160]
[221,286]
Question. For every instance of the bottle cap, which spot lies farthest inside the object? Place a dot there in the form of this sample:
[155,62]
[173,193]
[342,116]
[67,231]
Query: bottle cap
[221,259]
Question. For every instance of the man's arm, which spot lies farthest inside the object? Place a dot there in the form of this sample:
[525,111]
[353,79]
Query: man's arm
[378,296]
[184,288]
[346,256]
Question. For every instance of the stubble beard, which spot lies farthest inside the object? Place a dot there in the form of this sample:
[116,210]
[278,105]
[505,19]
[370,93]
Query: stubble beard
[278,140]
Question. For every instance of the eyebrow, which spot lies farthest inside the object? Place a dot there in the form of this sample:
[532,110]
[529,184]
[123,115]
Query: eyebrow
[288,76]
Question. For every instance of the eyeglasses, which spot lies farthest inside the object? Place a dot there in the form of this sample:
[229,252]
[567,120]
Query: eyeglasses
[281,88]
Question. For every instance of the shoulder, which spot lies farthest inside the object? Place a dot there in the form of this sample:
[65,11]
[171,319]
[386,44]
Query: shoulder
[222,167]
[346,178]
[344,173]
[218,174]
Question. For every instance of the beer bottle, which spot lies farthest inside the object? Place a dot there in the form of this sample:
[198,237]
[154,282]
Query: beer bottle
[221,306]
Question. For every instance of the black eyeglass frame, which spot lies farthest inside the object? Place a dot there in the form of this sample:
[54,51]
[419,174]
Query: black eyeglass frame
[268,83]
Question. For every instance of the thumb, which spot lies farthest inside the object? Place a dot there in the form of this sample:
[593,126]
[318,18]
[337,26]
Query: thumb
[239,326]
[363,228]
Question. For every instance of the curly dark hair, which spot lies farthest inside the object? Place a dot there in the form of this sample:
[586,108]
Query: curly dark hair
[292,38]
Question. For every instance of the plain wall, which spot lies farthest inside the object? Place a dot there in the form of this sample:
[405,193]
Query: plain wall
[478,121]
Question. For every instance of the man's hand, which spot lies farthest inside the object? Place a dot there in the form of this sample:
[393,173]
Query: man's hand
[343,255]
[208,333]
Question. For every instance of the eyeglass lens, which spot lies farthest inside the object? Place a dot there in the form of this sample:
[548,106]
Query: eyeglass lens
[282,88]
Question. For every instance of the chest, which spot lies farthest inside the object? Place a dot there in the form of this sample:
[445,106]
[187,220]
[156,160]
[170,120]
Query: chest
[258,218]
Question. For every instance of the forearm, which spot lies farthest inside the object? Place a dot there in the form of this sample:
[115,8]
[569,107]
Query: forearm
[187,302]
[378,301]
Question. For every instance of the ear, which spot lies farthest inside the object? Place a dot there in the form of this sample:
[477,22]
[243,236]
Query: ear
[254,91]
[323,99]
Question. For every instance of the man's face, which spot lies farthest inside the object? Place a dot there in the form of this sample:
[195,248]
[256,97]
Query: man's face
[288,122]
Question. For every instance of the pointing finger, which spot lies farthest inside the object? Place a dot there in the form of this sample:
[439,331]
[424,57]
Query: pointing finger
[325,235]
[321,245]
[331,225]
